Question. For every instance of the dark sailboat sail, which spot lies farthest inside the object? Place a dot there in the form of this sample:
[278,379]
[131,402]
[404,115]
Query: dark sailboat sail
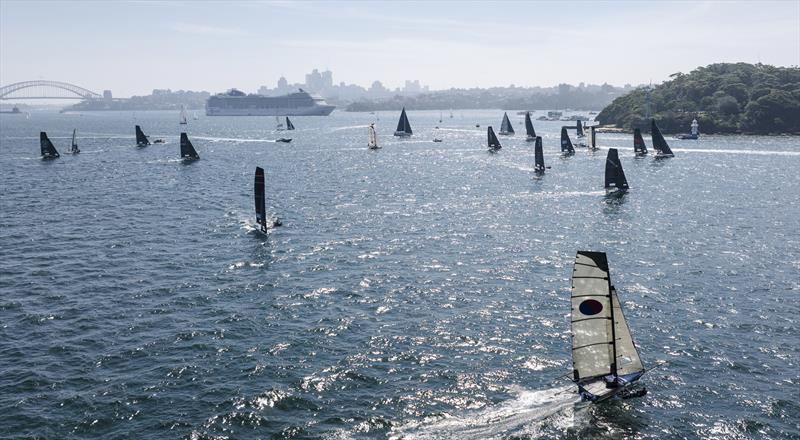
[74,147]
[539,154]
[579,128]
[403,127]
[261,203]
[639,147]
[141,139]
[289,125]
[529,131]
[566,143]
[494,143]
[48,149]
[615,177]
[187,149]
[659,143]
[506,128]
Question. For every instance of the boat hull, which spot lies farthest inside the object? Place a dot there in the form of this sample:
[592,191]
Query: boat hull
[319,110]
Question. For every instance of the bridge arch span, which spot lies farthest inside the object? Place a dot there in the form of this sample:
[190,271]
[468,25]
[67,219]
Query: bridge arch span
[44,89]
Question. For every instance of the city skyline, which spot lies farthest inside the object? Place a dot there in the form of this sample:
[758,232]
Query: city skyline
[134,47]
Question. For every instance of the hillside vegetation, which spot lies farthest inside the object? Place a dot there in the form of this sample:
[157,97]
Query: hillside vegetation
[725,98]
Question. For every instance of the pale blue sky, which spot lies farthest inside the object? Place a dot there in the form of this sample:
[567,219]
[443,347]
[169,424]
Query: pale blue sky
[132,47]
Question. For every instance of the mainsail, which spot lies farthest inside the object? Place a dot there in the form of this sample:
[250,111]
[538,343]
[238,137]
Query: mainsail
[539,155]
[566,143]
[579,128]
[47,147]
[659,143]
[639,147]
[403,127]
[141,139]
[372,141]
[261,205]
[183,119]
[74,147]
[187,149]
[505,127]
[529,131]
[289,125]
[615,177]
[601,341]
[592,138]
[494,143]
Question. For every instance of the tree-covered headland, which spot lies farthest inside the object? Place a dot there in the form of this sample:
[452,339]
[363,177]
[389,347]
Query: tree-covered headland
[724,98]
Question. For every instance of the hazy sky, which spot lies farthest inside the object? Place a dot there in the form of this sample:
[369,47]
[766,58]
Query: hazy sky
[132,47]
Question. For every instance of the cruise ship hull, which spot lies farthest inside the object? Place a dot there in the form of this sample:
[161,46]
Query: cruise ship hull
[320,110]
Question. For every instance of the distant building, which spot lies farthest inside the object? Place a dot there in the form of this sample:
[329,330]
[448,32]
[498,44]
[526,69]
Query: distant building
[107,95]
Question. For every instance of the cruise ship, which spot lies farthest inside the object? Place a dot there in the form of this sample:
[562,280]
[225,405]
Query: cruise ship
[237,103]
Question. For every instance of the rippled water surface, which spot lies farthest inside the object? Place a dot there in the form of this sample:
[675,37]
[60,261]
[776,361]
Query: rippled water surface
[416,291]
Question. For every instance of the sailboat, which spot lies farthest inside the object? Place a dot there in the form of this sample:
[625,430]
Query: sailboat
[592,139]
[616,183]
[604,358]
[530,133]
[403,127]
[289,125]
[183,120]
[141,139]
[539,155]
[494,143]
[436,137]
[639,147]
[194,116]
[579,128]
[659,143]
[278,124]
[372,142]
[187,149]
[566,144]
[440,117]
[451,113]
[74,147]
[505,128]
[261,202]
[48,149]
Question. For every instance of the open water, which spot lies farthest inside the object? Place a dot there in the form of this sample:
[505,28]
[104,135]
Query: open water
[418,291]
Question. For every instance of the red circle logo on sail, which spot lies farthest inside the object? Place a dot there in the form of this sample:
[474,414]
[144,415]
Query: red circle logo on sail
[590,307]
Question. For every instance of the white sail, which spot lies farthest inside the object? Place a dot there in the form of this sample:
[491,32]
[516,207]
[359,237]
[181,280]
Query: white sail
[592,332]
[373,139]
[628,360]
[183,119]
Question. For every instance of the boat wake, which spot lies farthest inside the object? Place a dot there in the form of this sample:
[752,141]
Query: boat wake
[756,152]
[531,413]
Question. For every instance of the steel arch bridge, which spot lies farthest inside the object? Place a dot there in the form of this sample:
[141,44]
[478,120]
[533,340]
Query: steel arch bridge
[42,89]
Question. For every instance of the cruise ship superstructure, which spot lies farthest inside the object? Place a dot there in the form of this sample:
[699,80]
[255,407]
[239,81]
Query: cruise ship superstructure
[237,103]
